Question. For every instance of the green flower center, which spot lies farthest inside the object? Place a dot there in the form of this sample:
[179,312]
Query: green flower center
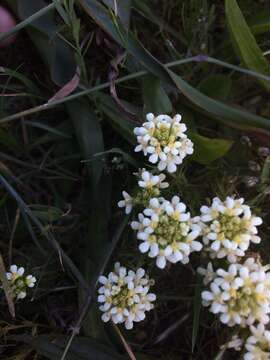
[164,135]
[18,285]
[144,195]
[169,231]
[244,301]
[121,299]
[229,227]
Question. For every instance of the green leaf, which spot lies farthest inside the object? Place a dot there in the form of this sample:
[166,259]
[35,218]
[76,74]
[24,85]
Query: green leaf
[207,150]
[154,96]
[122,8]
[216,86]
[217,110]
[82,348]
[244,41]
[89,135]
[117,120]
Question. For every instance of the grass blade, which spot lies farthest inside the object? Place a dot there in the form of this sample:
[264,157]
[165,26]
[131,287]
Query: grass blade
[244,41]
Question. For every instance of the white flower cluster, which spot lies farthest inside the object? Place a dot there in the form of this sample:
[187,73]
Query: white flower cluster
[241,295]
[167,231]
[239,290]
[150,185]
[163,139]
[19,282]
[256,346]
[125,296]
[228,228]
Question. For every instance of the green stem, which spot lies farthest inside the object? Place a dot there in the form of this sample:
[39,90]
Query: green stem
[52,104]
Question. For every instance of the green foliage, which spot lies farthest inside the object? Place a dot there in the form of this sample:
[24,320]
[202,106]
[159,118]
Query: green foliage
[60,184]
[244,41]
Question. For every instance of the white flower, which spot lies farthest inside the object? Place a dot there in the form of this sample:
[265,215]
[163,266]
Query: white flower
[258,344]
[19,282]
[228,228]
[241,295]
[126,202]
[167,232]
[30,281]
[235,343]
[208,274]
[124,296]
[149,181]
[163,139]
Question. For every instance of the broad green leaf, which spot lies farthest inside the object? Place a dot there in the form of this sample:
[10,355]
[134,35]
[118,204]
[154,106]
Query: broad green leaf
[217,110]
[89,135]
[82,348]
[216,86]
[117,120]
[120,8]
[207,150]
[244,41]
[154,96]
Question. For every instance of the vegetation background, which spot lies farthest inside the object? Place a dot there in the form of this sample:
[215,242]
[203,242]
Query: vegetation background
[78,78]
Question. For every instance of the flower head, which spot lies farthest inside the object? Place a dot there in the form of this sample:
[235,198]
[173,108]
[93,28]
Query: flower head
[258,344]
[240,295]
[19,282]
[125,296]
[228,228]
[167,232]
[208,273]
[150,181]
[163,139]
[149,186]
[126,203]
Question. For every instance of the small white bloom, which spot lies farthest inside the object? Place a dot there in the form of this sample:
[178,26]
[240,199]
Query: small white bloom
[235,343]
[258,344]
[150,181]
[163,139]
[124,296]
[228,227]
[167,232]
[240,295]
[208,274]
[126,202]
[19,282]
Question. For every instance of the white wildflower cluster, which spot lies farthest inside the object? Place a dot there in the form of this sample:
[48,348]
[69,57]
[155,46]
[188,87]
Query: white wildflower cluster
[19,282]
[125,296]
[163,139]
[240,295]
[255,346]
[149,186]
[228,228]
[237,285]
[167,231]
